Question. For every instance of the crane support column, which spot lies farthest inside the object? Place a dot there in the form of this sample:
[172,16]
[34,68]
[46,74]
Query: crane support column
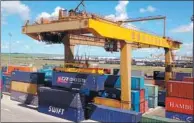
[68,50]
[168,64]
[125,67]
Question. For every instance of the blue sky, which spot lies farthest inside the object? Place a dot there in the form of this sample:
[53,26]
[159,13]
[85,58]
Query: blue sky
[179,25]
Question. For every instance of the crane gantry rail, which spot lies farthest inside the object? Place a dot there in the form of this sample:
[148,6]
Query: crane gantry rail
[82,23]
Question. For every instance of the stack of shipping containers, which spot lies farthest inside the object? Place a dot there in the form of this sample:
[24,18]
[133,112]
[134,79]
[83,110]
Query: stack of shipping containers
[152,95]
[6,74]
[69,94]
[180,100]
[112,93]
[24,86]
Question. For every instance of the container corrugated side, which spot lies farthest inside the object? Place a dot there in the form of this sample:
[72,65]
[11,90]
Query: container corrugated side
[152,102]
[107,114]
[24,98]
[157,119]
[152,89]
[107,102]
[180,105]
[24,87]
[142,95]
[29,77]
[61,98]
[161,96]
[188,79]
[180,89]
[137,83]
[77,81]
[72,114]
[180,116]
[179,76]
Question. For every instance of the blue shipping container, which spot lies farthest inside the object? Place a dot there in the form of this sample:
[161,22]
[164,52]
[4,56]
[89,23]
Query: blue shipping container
[61,98]
[158,75]
[4,69]
[48,72]
[135,107]
[85,92]
[76,81]
[135,97]
[29,77]
[6,80]
[72,114]
[137,83]
[180,76]
[146,93]
[24,98]
[107,114]
[179,116]
[161,96]
[152,102]
[114,93]
[112,81]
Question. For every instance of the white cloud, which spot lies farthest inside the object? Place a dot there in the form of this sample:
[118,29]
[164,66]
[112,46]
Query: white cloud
[186,49]
[121,10]
[14,8]
[121,14]
[183,28]
[53,15]
[148,9]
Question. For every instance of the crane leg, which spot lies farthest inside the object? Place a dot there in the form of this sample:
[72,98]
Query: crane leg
[168,65]
[68,50]
[125,67]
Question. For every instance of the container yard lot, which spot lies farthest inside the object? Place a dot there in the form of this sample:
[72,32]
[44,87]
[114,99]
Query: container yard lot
[78,88]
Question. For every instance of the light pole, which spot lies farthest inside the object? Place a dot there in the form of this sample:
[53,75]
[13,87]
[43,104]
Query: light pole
[193,49]
[10,35]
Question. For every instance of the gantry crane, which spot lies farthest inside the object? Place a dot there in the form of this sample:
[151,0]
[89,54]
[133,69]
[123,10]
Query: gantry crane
[70,26]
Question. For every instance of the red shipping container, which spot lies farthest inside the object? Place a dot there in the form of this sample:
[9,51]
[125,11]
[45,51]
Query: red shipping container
[180,105]
[142,107]
[146,106]
[180,89]
[188,79]
[142,95]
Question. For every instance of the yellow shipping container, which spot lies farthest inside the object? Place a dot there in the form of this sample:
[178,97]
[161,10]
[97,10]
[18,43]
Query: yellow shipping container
[107,102]
[81,70]
[24,87]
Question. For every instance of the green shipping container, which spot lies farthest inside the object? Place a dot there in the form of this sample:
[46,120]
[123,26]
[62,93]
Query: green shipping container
[152,90]
[157,119]
[152,102]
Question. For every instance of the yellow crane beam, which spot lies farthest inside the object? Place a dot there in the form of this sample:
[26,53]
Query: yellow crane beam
[102,29]
[116,32]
